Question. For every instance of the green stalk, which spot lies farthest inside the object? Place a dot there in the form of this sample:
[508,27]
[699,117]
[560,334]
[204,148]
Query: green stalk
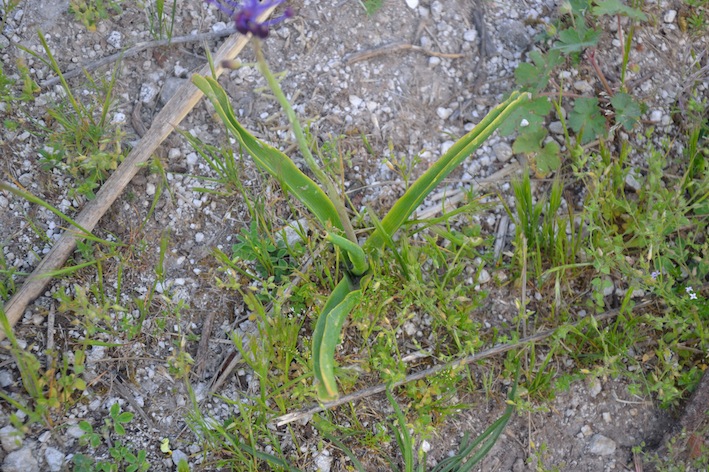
[330,189]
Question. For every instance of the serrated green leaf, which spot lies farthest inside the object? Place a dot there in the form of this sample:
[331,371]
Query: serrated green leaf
[270,159]
[586,117]
[529,141]
[579,7]
[577,39]
[627,110]
[534,75]
[616,7]
[533,111]
[548,159]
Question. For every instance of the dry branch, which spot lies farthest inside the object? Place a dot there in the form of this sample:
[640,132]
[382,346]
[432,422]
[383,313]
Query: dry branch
[164,123]
[369,391]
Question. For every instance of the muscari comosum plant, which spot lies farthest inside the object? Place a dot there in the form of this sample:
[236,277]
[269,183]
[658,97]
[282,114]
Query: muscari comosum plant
[324,202]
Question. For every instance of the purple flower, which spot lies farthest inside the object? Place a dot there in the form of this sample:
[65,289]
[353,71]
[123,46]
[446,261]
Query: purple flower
[692,296]
[655,274]
[689,289]
[246,12]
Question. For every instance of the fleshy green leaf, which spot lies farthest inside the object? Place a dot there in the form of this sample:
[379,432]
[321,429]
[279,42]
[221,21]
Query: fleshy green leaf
[271,159]
[616,7]
[464,147]
[354,253]
[586,117]
[627,110]
[326,335]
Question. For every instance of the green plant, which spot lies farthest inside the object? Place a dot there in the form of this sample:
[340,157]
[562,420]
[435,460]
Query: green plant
[160,22]
[90,12]
[123,457]
[84,143]
[329,209]
[371,6]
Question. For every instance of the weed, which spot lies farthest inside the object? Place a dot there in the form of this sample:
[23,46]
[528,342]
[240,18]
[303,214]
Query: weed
[123,457]
[161,21]
[90,12]
[84,144]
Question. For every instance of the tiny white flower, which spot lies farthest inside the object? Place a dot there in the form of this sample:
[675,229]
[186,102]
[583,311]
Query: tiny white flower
[692,296]
[689,290]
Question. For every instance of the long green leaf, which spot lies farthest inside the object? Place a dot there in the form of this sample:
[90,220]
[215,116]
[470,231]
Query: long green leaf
[354,253]
[270,159]
[407,204]
[326,335]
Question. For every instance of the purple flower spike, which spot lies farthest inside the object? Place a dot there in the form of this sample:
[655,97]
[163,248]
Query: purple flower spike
[245,14]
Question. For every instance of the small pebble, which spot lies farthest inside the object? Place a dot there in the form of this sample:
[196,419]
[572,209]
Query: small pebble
[669,16]
[413,4]
[601,445]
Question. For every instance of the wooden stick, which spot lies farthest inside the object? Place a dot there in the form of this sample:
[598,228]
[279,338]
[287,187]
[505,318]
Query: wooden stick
[169,117]
[369,391]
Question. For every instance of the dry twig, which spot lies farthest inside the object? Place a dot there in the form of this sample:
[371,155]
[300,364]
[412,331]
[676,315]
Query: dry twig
[394,48]
[368,392]
[138,48]
[164,123]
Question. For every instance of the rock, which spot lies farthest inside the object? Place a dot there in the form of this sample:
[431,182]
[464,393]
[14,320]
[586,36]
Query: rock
[323,461]
[172,84]
[413,4]
[470,35]
[594,388]
[20,461]
[178,456]
[503,152]
[656,116]
[54,458]
[148,92]
[10,438]
[6,378]
[583,86]
[632,183]
[601,445]
[556,127]
[669,16]
[114,39]
[355,101]
[443,113]
[484,277]
[515,37]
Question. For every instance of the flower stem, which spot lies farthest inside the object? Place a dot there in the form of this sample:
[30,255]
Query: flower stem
[324,179]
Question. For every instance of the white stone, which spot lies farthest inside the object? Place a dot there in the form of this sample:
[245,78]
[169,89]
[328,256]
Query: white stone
[470,35]
[413,4]
[323,461]
[10,438]
[54,458]
[556,127]
[178,456]
[114,39]
[601,445]
[443,113]
[484,277]
[656,116]
[20,461]
[425,446]
[118,118]
[502,151]
[6,378]
[632,183]
[192,158]
[199,237]
[594,388]
[150,189]
[446,146]
[669,16]
[355,101]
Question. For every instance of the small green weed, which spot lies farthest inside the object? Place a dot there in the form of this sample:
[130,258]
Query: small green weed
[83,142]
[123,457]
[161,22]
[90,12]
